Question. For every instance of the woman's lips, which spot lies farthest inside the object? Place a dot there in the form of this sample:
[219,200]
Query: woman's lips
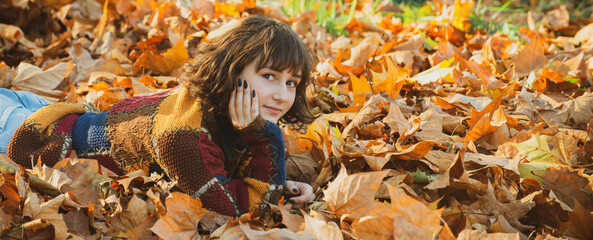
[274,110]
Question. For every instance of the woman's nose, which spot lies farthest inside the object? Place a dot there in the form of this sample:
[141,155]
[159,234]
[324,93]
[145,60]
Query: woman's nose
[280,94]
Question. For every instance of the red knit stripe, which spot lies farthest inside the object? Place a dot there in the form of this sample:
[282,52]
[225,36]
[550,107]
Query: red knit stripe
[260,168]
[215,199]
[131,104]
[211,155]
[239,190]
[65,125]
[109,163]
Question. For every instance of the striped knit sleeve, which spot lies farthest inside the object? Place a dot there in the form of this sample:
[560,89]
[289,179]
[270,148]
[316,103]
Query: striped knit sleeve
[46,135]
[264,169]
[198,165]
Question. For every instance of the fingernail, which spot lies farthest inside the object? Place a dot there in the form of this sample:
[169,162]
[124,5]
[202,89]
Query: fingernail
[290,201]
[245,84]
[295,190]
[239,83]
[252,93]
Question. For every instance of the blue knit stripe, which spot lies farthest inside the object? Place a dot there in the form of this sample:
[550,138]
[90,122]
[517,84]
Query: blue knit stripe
[89,135]
[275,134]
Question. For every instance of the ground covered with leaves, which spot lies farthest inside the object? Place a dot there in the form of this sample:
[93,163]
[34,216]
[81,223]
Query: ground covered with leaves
[435,121]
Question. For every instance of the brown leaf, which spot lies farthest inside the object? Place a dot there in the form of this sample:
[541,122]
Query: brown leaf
[316,228]
[353,195]
[557,19]
[413,219]
[133,215]
[302,167]
[11,33]
[432,128]
[293,222]
[181,220]
[455,171]
[42,82]
[579,221]
[408,218]
[569,186]
[470,234]
[412,152]
[141,231]
[11,198]
[47,211]
[511,212]
[5,219]
[77,222]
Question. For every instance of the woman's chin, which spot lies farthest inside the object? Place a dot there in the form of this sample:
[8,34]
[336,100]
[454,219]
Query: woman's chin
[272,119]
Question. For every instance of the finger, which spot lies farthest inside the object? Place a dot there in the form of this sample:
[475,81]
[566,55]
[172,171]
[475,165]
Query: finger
[254,105]
[302,199]
[232,109]
[246,103]
[291,188]
[239,104]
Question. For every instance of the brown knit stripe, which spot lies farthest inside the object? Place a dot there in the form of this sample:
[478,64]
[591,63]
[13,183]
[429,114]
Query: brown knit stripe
[26,147]
[180,158]
[129,134]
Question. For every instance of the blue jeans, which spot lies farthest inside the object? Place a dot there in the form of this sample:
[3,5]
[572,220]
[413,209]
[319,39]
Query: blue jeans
[15,107]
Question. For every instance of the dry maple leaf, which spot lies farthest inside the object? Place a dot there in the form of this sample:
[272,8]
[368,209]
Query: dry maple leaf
[181,220]
[173,58]
[353,196]
[407,218]
[42,82]
[511,212]
[47,211]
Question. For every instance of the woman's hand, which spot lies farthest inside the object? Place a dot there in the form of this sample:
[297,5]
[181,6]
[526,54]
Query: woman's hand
[304,192]
[243,106]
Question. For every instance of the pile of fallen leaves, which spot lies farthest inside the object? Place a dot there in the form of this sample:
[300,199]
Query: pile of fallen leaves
[428,129]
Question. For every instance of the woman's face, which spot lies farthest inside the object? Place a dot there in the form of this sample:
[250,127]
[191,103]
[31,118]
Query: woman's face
[275,90]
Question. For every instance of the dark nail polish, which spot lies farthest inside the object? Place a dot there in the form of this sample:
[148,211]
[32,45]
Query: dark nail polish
[295,190]
[245,84]
[290,201]
[239,84]
[252,93]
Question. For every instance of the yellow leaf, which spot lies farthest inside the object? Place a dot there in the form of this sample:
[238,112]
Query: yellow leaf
[435,73]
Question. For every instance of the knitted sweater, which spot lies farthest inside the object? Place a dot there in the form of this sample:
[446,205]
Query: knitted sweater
[170,131]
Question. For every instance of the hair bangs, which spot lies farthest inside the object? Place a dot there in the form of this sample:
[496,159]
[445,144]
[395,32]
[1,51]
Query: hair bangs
[284,51]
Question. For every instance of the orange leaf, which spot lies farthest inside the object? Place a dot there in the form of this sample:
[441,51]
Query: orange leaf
[394,82]
[353,195]
[489,123]
[475,116]
[181,220]
[162,64]
[226,9]
[250,3]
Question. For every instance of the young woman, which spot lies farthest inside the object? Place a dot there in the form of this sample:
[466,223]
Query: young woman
[216,134]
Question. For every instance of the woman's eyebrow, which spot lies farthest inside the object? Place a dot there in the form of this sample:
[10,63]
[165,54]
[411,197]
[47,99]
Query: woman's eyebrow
[299,76]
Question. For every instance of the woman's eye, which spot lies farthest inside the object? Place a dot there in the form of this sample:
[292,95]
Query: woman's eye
[292,83]
[269,76]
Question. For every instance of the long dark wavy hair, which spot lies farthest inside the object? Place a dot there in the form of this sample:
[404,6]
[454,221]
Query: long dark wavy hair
[214,71]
